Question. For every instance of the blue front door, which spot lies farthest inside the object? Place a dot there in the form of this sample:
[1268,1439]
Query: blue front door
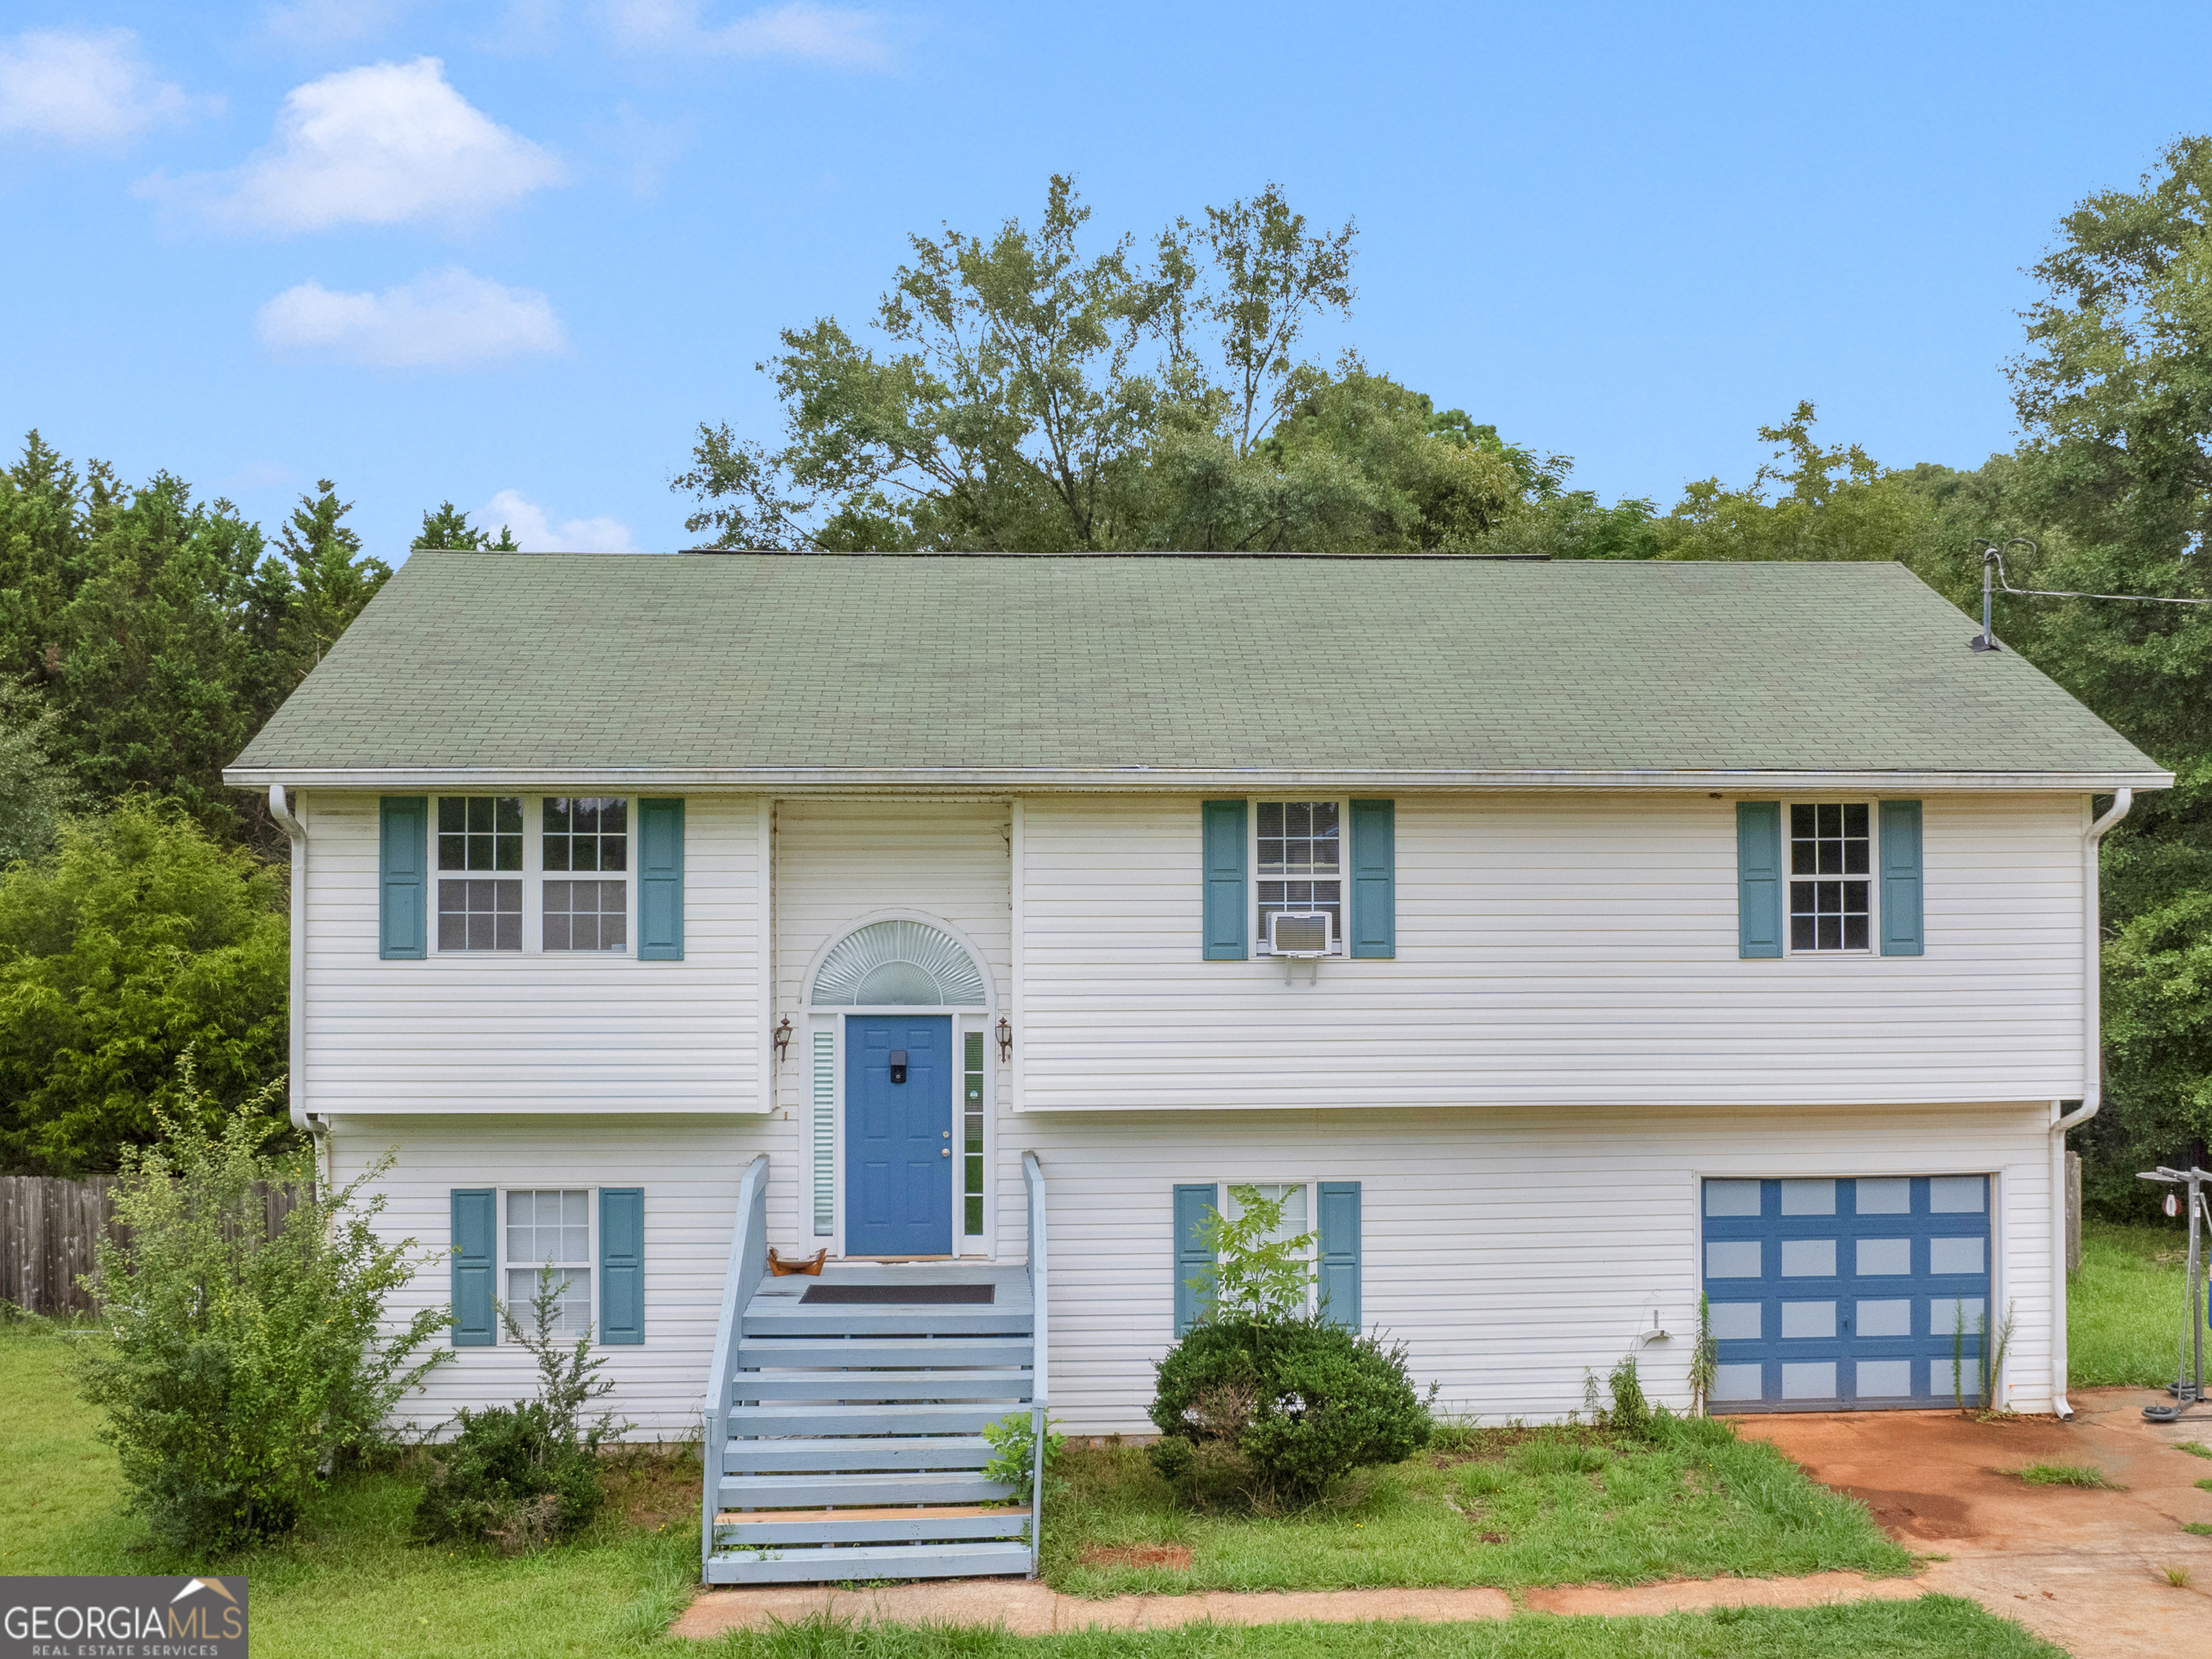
[898,1136]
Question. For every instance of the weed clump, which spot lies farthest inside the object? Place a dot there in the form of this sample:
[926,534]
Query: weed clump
[2065,1474]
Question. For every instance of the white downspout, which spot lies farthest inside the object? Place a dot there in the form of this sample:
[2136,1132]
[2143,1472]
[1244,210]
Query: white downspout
[295,1086]
[2092,1086]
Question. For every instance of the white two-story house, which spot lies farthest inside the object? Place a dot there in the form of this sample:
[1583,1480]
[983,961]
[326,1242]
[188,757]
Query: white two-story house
[1562,941]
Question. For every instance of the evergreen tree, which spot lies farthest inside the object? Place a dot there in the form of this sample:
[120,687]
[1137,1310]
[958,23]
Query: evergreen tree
[335,578]
[448,527]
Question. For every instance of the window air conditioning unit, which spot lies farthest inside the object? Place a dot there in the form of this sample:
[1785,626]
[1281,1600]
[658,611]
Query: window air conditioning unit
[1298,934]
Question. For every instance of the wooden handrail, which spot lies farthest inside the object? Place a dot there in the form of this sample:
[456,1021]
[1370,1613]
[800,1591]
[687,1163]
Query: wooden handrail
[1039,1390]
[748,1265]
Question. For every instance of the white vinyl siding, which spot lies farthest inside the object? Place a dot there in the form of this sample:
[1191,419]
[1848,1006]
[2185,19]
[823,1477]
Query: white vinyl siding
[1564,948]
[534,1031]
[689,1167]
[1511,1251]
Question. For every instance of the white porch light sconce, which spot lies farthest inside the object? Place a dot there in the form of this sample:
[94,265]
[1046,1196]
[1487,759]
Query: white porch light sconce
[782,1035]
[1006,1040]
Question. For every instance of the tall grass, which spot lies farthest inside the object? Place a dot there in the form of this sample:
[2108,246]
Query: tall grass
[2127,1311]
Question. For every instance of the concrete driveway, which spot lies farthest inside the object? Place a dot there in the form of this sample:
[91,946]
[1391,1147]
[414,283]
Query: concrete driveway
[2085,1569]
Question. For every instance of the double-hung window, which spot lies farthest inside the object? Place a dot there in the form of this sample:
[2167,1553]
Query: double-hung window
[1831,876]
[1324,1214]
[550,1228]
[1298,864]
[479,910]
[586,833]
[569,886]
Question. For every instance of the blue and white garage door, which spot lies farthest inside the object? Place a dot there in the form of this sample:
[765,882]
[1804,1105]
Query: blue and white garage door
[1846,1295]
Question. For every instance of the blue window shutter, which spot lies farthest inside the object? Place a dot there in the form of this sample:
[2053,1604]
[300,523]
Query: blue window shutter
[1900,878]
[661,881]
[621,1264]
[1373,878]
[1759,877]
[403,856]
[1224,854]
[1340,1253]
[476,1227]
[1192,1258]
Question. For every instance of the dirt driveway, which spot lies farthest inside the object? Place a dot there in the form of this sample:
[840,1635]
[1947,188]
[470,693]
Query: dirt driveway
[2085,1569]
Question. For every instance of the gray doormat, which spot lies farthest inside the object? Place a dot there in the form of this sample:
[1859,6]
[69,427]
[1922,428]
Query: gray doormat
[911,1293]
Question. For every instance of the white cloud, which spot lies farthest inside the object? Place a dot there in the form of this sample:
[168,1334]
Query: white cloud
[332,22]
[442,319]
[849,37]
[534,531]
[378,145]
[88,87]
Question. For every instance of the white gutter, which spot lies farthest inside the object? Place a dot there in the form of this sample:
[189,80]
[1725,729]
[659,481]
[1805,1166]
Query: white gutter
[2093,1085]
[295,1087]
[1179,779]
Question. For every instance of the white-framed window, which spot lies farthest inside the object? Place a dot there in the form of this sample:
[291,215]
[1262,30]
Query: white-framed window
[542,1227]
[1832,887]
[1298,1199]
[1298,864]
[532,874]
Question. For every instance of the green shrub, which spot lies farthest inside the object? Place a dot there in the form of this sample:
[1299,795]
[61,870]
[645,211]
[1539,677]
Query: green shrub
[1271,1414]
[1013,1452]
[516,1477]
[136,940]
[1262,1403]
[238,1367]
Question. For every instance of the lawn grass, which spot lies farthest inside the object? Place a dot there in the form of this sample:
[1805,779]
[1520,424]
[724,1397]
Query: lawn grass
[2194,1447]
[2127,1312]
[1563,1505]
[1931,1627]
[2063,1474]
[348,1584]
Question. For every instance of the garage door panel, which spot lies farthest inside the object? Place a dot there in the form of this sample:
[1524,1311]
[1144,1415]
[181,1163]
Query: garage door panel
[1846,1292]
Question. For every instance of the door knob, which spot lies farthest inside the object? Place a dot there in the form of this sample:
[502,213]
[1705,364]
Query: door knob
[945,1152]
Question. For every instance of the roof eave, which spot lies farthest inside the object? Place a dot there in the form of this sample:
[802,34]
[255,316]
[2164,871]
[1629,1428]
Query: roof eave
[1167,780]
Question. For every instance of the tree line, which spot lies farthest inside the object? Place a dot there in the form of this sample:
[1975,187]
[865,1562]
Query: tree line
[1014,392]
[145,637]
[1028,388]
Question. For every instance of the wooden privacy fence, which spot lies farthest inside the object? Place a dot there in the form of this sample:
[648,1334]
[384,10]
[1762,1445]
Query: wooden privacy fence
[50,1231]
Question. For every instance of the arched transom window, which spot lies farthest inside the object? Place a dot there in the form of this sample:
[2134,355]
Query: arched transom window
[899,964]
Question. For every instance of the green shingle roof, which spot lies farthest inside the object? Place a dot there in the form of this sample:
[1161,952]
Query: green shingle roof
[790,669]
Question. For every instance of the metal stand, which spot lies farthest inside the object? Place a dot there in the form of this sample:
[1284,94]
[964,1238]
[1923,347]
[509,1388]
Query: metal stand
[2187,1390]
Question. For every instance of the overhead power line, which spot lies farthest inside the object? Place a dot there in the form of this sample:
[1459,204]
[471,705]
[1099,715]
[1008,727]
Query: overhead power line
[1994,578]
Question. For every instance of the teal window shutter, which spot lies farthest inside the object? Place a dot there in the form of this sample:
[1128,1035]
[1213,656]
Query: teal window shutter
[621,1264]
[1373,878]
[661,881]
[402,867]
[475,1230]
[1900,878]
[1759,877]
[1340,1253]
[1226,916]
[1193,1259]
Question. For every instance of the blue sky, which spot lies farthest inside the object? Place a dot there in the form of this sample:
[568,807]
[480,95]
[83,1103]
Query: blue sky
[511,254]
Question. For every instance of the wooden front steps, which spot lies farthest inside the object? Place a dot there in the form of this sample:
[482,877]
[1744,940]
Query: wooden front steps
[854,1447]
